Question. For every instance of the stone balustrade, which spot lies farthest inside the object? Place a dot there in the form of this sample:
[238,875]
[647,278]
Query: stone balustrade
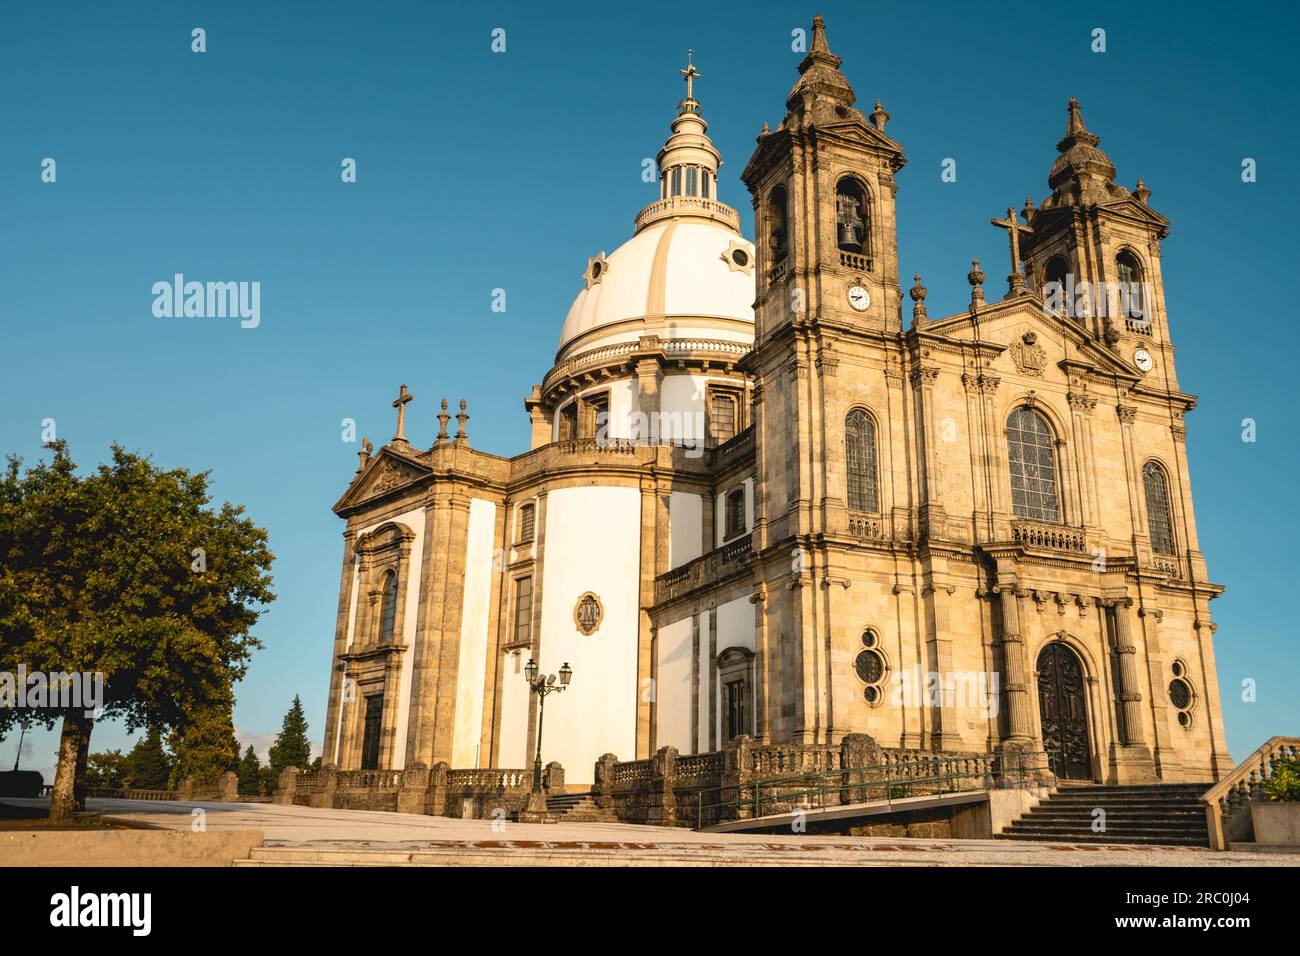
[437,791]
[705,571]
[1051,537]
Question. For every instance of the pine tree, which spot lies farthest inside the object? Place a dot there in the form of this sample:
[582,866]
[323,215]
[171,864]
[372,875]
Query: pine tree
[291,747]
[147,765]
[250,773]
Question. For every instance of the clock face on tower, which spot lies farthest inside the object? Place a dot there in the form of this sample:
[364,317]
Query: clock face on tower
[859,298]
[1142,359]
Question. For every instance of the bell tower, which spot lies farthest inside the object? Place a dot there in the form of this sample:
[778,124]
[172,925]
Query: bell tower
[1093,252]
[827,360]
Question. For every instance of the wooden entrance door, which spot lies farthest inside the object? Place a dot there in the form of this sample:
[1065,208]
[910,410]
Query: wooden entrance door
[1063,709]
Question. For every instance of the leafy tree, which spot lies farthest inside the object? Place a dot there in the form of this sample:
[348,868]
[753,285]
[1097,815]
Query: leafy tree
[250,773]
[205,745]
[147,766]
[106,769]
[291,747]
[130,573]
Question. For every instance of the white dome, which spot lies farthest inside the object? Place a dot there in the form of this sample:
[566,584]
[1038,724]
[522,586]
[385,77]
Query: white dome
[673,268]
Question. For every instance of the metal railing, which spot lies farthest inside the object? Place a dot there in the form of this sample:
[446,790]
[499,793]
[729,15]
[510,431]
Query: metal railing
[926,777]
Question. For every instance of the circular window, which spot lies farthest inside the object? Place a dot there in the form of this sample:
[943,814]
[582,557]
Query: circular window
[596,268]
[868,638]
[872,694]
[1184,718]
[1178,668]
[870,667]
[1180,695]
[740,257]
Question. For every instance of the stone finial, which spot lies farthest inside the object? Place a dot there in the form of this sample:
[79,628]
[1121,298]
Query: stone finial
[1029,209]
[443,418]
[879,117]
[1142,193]
[461,418]
[763,133]
[918,293]
[363,456]
[976,279]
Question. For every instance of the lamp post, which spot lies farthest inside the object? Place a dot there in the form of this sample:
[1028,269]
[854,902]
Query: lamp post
[541,686]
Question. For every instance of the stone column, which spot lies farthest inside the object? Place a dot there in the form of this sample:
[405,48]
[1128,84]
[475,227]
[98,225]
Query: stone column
[1131,756]
[736,762]
[337,677]
[435,794]
[859,751]
[1016,677]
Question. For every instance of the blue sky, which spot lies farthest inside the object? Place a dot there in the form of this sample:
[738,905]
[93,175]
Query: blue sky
[481,170]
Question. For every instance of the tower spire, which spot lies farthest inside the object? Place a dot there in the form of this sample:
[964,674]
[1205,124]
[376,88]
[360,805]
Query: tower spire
[822,94]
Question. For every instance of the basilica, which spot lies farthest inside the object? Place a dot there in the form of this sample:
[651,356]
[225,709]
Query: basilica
[767,492]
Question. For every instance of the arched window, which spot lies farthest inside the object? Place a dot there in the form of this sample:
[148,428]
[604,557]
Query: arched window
[1128,274]
[860,461]
[1158,520]
[1031,455]
[388,610]
[776,219]
[852,223]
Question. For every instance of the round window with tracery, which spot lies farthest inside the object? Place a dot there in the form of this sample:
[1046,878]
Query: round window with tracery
[1180,694]
[870,668]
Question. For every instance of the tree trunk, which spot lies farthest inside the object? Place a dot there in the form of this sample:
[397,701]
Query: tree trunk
[74,740]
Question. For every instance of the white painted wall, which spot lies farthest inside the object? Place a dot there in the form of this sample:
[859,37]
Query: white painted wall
[685,534]
[593,537]
[513,750]
[673,688]
[471,669]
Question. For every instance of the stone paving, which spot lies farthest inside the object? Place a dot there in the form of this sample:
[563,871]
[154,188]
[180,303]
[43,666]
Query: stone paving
[305,835]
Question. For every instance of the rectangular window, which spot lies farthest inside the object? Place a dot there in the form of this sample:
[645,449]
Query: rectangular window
[704,184]
[527,523]
[523,610]
[735,519]
[691,174]
[370,736]
[724,414]
[677,180]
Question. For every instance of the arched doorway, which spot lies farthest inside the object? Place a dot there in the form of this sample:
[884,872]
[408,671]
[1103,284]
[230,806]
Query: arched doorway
[1063,710]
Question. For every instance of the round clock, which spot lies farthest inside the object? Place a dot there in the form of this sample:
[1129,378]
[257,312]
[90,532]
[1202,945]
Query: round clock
[859,298]
[1142,359]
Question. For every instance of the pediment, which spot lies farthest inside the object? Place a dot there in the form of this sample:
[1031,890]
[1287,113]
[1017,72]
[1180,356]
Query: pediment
[385,473]
[1033,340]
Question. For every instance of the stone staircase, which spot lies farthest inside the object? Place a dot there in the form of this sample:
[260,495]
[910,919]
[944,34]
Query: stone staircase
[1169,814]
[579,808]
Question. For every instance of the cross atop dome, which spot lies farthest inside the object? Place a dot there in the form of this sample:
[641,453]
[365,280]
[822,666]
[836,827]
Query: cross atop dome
[690,104]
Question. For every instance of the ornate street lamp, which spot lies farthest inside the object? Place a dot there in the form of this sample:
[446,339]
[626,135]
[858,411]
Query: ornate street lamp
[541,685]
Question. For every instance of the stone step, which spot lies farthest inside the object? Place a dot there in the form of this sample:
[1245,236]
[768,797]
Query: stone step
[1157,814]
[1127,839]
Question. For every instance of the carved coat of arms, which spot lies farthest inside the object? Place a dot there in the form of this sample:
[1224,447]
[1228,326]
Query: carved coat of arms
[587,614]
[1029,356]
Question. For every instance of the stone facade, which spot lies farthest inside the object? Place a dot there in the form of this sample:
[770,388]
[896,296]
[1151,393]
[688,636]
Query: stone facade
[759,504]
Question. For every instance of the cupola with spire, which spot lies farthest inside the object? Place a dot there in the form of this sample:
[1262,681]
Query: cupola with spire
[1083,173]
[688,163]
